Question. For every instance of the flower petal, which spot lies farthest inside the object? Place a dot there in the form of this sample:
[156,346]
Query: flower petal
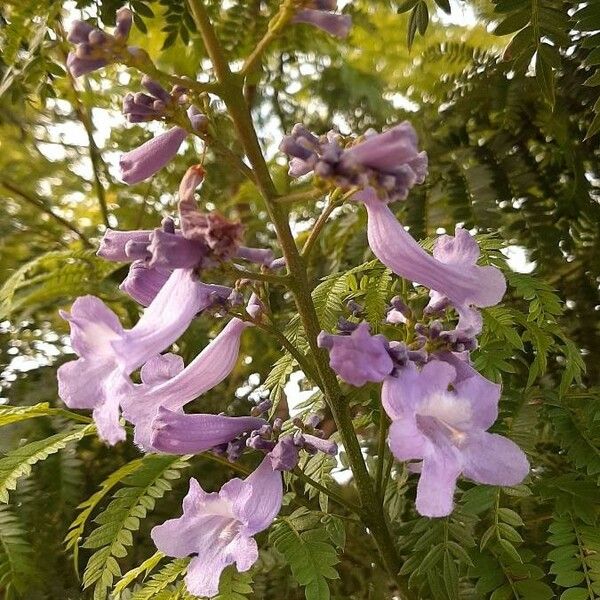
[482,394]
[435,490]
[493,459]
[402,393]
[256,502]
[406,441]
[204,573]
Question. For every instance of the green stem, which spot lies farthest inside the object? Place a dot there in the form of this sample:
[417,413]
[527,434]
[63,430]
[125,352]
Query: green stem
[318,228]
[232,95]
[383,428]
[276,25]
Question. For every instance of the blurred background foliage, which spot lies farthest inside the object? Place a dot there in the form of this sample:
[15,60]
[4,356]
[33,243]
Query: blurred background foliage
[503,94]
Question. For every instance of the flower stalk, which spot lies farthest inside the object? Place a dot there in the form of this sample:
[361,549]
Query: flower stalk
[232,94]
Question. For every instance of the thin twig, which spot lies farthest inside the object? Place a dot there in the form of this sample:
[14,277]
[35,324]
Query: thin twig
[41,205]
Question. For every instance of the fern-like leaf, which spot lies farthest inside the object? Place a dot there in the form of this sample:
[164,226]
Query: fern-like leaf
[122,517]
[18,462]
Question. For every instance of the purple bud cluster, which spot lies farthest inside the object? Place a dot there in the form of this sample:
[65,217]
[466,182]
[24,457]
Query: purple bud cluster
[95,48]
[389,162]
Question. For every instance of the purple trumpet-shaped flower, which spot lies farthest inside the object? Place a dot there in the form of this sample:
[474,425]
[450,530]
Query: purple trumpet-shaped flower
[389,162]
[152,156]
[446,430]
[463,282]
[333,24]
[178,433]
[218,528]
[175,431]
[95,48]
[108,354]
[358,357]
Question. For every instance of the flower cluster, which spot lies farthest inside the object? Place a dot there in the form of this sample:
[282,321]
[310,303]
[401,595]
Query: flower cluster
[387,163]
[95,48]
[440,407]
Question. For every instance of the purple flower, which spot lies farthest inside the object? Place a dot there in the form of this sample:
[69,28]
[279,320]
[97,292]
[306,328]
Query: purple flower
[389,162]
[108,354]
[217,528]
[178,433]
[285,454]
[152,156]
[141,402]
[358,357]
[95,48]
[449,272]
[446,429]
[336,25]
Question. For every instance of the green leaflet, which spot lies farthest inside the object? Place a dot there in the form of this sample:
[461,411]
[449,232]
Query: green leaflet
[575,565]
[307,550]
[18,463]
[121,518]
[158,582]
[18,572]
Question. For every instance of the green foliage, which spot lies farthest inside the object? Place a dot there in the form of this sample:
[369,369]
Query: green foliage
[18,463]
[574,557]
[307,549]
[162,579]
[18,572]
[121,518]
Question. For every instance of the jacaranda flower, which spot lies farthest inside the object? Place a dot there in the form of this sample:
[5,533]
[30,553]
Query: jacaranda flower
[440,415]
[108,354]
[453,275]
[168,385]
[388,162]
[218,528]
[358,357]
[317,13]
[153,155]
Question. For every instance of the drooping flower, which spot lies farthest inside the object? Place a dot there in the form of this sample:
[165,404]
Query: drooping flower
[448,272]
[174,431]
[218,528]
[389,162]
[460,250]
[146,160]
[358,357]
[179,433]
[95,48]
[319,13]
[204,240]
[446,429]
[108,354]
